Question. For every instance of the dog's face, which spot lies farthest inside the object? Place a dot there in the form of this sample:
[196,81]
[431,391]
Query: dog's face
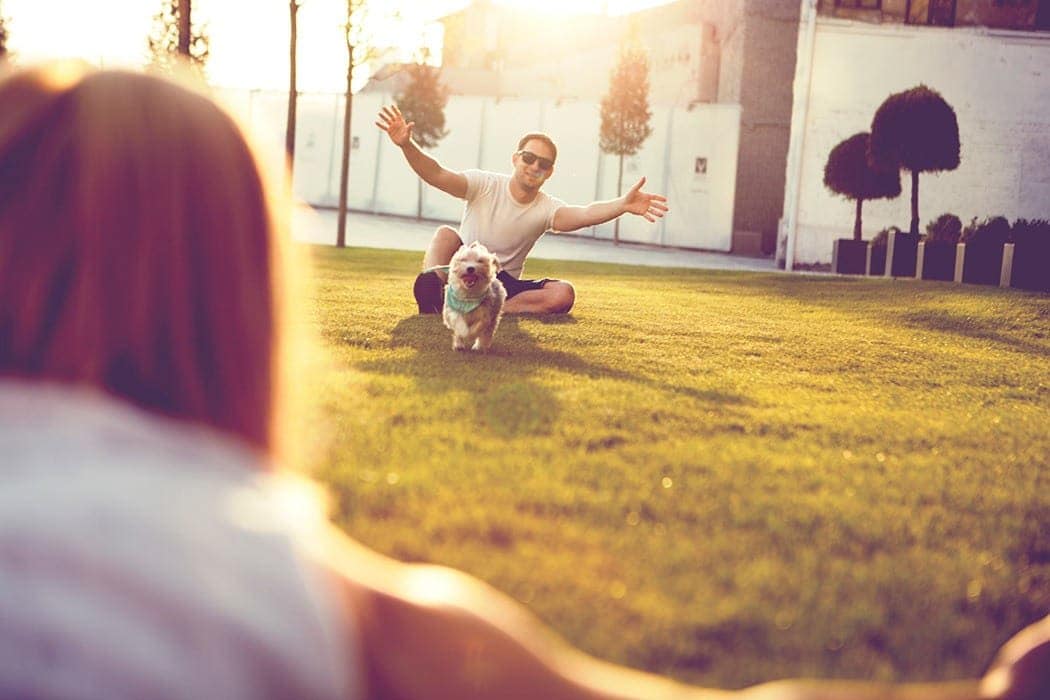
[472,269]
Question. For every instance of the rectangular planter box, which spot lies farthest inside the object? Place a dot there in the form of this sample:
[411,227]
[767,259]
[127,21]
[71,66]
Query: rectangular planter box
[1031,266]
[979,263]
[936,261]
[849,257]
[901,254]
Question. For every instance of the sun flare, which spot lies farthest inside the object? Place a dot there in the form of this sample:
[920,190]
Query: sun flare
[249,38]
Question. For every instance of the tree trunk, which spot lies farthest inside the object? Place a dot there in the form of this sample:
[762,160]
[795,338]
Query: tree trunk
[856,221]
[344,172]
[619,192]
[293,91]
[184,27]
[3,35]
[915,202]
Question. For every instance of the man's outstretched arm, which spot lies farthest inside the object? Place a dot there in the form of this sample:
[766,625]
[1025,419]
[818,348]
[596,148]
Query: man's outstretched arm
[433,173]
[649,206]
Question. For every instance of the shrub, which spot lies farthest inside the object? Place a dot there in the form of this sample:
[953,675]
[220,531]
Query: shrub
[1025,232]
[1031,262]
[946,228]
[882,238]
[995,230]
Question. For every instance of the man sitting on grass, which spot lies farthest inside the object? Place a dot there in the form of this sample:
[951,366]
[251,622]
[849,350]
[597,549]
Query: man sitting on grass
[507,214]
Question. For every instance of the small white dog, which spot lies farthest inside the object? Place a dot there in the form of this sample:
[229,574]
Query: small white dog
[473,298]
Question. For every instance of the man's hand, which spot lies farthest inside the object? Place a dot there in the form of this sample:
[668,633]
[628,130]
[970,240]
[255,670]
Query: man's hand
[400,132]
[649,206]
[393,123]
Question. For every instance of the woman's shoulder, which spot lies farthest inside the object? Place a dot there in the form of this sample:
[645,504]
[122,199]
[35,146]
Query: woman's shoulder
[155,534]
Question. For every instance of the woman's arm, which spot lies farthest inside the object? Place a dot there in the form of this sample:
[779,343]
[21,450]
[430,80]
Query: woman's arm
[430,632]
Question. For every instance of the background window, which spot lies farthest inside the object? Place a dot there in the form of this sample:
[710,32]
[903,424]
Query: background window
[937,12]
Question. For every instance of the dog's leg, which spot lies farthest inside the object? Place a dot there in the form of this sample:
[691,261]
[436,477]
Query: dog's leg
[485,332]
[460,330]
[482,334]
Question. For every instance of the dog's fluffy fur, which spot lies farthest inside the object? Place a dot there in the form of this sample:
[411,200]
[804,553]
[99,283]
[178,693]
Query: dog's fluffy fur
[472,278]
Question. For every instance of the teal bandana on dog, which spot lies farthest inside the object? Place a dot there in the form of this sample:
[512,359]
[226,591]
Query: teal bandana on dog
[462,305]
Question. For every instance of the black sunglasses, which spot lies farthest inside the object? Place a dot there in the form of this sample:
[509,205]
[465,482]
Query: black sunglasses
[529,157]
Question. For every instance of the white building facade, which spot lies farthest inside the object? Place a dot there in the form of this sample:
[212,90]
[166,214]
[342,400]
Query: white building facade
[997,81]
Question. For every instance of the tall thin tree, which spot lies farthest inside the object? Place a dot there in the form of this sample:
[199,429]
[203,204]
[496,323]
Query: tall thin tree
[358,51]
[625,111]
[423,100]
[185,26]
[174,34]
[3,36]
[293,90]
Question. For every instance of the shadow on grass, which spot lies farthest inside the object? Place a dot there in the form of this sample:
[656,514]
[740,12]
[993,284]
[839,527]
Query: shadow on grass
[509,398]
[968,327]
[909,303]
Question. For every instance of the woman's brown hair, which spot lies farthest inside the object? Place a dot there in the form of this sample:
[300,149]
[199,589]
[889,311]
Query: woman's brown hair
[137,247]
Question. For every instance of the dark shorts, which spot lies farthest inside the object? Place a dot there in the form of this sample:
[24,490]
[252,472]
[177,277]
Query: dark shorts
[429,290]
[514,286]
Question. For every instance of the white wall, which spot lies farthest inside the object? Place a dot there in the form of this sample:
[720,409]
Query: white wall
[997,82]
[701,204]
[484,132]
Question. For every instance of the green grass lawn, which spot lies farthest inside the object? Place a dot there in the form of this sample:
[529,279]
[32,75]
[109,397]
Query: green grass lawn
[727,477]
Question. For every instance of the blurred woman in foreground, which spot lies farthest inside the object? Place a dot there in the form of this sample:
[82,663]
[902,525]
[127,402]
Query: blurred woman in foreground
[149,545]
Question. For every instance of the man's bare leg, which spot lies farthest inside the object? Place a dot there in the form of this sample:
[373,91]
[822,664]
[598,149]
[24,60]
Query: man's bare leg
[556,297]
[442,247]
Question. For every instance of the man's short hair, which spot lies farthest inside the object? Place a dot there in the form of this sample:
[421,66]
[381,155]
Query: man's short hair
[537,136]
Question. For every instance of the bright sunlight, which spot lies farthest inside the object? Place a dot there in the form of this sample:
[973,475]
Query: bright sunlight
[249,37]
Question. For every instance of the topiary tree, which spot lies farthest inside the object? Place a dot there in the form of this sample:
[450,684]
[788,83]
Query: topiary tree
[915,130]
[848,173]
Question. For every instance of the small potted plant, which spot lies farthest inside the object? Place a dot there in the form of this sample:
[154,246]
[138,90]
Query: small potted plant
[981,251]
[1031,255]
[848,173]
[938,248]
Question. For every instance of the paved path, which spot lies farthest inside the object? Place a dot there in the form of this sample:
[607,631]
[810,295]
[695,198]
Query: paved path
[374,231]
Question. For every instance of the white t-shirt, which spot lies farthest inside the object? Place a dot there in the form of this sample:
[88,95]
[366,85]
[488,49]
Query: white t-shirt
[144,558]
[495,219]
